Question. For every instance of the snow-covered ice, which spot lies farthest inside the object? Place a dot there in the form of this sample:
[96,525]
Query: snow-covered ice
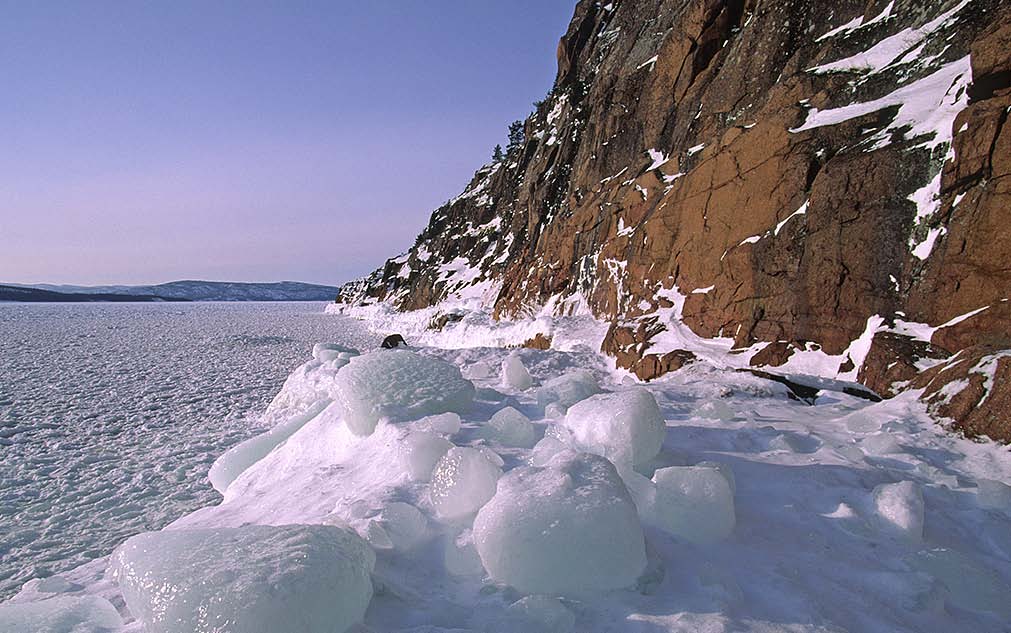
[254,579]
[515,374]
[695,503]
[509,427]
[399,384]
[463,481]
[754,513]
[625,427]
[568,528]
[70,614]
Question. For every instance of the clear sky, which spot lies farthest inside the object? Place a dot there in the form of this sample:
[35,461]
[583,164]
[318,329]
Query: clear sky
[145,141]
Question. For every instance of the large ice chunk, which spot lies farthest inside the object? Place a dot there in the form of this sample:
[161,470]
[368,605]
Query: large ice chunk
[515,374]
[625,427]
[463,481]
[448,423]
[405,525]
[237,459]
[399,384]
[994,495]
[62,614]
[568,389]
[899,509]
[420,452]
[695,503]
[539,614]
[569,528]
[253,579]
[509,427]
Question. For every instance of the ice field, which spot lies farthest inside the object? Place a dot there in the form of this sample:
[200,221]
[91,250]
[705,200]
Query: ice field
[447,487]
[110,416]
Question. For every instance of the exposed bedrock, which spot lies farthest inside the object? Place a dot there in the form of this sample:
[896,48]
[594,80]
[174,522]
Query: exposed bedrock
[781,176]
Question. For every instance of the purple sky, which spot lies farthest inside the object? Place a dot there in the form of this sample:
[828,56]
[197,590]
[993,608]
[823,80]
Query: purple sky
[249,141]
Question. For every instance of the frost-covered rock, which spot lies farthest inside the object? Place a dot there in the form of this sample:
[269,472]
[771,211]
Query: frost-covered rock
[398,384]
[420,451]
[569,528]
[567,389]
[625,427]
[994,495]
[253,579]
[695,503]
[515,374]
[899,509]
[446,423]
[240,457]
[462,482]
[61,614]
[509,427]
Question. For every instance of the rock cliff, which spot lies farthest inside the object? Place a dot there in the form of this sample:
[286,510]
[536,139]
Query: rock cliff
[820,186]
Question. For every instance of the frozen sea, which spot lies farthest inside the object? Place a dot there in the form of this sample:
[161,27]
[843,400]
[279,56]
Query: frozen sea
[111,415]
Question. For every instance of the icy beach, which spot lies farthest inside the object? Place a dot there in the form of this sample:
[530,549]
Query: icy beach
[451,488]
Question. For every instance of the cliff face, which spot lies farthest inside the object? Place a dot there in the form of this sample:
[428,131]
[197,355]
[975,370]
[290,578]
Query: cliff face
[787,180]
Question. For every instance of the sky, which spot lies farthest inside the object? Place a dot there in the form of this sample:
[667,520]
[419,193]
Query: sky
[143,142]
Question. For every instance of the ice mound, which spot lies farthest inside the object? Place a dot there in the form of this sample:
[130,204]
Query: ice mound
[509,427]
[899,509]
[515,374]
[881,444]
[399,384]
[567,389]
[328,352]
[404,524]
[240,457]
[63,614]
[625,427]
[545,450]
[569,528]
[448,423]
[463,481]
[994,495]
[420,452]
[253,579]
[479,370]
[539,614]
[695,503]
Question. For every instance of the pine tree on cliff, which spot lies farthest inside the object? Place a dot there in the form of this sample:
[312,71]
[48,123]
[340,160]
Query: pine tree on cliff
[515,136]
[496,155]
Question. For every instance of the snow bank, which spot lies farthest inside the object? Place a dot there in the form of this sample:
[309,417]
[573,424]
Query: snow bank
[399,384]
[625,427]
[237,459]
[569,528]
[255,579]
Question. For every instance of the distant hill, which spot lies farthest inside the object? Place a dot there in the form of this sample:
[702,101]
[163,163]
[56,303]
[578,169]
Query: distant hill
[194,290]
[36,295]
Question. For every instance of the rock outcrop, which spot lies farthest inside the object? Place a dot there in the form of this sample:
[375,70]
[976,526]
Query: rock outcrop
[823,178]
